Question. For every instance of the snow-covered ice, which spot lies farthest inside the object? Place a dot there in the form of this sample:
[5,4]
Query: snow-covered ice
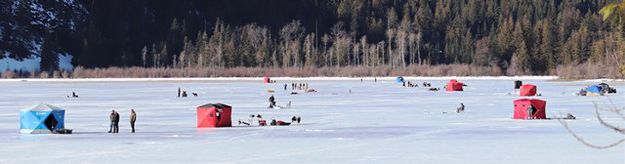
[377,123]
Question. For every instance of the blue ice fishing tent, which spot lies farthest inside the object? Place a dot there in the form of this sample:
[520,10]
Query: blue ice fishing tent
[594,89]
[399,79]
[41,118]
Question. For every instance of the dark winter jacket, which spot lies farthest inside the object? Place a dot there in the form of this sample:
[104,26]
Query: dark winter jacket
[272,99]
[116,118]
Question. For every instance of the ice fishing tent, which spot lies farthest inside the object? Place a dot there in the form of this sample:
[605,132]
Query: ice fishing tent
[267,80]
[41,118]
[529,109]
[528,90]
[399,79]
[517,84]
[594,90]
[606,88]
[454,85]
[214,115]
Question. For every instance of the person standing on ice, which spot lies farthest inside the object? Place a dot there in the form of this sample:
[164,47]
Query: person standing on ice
[112,118]
[530,112]
[116,124]
[285,87]
[133,119]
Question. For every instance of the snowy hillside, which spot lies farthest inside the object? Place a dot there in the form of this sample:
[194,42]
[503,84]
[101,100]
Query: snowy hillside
[32,29]
[32,64]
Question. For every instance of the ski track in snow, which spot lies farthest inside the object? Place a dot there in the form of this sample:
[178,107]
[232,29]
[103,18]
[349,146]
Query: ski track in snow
[377,123]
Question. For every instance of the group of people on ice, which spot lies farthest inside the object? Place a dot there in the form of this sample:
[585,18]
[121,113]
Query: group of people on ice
[182,93]
[114,117]
[262,122]
[299,86]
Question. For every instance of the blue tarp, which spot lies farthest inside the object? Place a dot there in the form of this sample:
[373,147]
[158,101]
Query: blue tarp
[399,79]
[41,118]
[594,89]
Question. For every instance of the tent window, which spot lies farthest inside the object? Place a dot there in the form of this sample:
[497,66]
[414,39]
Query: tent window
[51,122]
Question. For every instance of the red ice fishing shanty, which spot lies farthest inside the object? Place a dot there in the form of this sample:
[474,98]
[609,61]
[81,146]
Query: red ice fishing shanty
[266,79]
[528,109]
[528,90]
[214,115]
[454,85]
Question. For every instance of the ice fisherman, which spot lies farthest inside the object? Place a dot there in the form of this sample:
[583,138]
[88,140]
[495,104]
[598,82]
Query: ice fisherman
[285,87]
[296,119]
[184,93]
[133,119]
[530,112]
[582,92]
[272,101]
[569,116]
[114,117]
[460,109]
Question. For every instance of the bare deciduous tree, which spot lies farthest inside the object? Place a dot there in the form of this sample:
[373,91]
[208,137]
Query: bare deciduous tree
[291,36]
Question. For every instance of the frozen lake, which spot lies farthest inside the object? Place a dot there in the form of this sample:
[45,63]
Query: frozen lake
[379,122]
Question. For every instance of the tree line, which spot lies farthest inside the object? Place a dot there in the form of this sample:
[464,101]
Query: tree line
[517,36]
